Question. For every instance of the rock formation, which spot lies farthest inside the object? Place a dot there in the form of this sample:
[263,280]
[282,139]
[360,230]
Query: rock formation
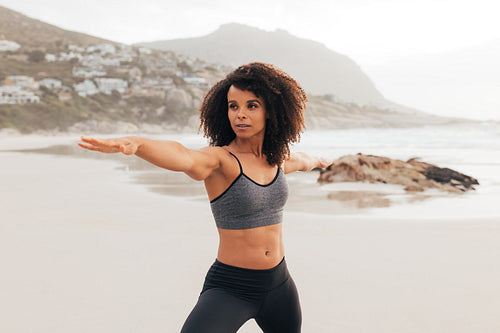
[413,174]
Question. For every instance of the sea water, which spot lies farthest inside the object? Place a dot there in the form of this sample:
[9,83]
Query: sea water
[472,149]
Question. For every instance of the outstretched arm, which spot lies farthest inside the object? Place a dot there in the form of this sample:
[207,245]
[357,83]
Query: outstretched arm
[303,162]
[171,155]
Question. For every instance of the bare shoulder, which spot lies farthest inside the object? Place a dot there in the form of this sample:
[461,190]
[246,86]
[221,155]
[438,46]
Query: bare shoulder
[226,162]
[216,153]
[205,162]
[218,157]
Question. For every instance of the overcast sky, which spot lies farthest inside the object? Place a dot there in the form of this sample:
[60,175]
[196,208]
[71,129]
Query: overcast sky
[373,33]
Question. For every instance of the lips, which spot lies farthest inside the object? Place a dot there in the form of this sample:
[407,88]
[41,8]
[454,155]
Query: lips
[242,126]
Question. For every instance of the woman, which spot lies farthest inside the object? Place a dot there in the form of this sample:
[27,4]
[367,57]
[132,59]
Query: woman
[250,117]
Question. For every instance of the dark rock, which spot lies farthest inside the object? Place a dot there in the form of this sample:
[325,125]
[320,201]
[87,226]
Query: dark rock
[414,175]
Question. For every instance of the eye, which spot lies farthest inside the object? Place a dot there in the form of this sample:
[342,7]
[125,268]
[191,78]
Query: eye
[233,106]
[252,106]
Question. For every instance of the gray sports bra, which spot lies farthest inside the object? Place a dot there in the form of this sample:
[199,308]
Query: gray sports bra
[246,204]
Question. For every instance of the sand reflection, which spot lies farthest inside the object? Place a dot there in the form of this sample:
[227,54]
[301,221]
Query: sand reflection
[361,199]
[306,195]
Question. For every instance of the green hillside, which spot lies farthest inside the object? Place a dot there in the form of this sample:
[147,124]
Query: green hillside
[48,52]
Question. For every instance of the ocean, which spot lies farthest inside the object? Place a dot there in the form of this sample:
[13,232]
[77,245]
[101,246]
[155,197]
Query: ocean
[470,149]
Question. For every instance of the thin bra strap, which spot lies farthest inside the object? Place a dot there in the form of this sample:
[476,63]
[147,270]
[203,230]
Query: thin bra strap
[237,160]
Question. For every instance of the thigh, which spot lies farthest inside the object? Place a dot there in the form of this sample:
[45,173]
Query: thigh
[217,311]
[280,312]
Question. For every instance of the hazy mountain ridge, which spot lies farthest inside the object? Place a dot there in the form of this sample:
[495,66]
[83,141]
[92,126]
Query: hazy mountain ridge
[318,69]
[32,33]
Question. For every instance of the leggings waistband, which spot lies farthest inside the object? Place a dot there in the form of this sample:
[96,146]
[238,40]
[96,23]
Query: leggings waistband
[274,270]
[240,279]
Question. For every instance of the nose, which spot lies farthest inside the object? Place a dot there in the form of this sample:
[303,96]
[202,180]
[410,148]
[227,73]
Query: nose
[241,114]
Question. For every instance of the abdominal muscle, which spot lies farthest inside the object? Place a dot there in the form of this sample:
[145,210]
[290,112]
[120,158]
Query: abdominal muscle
[256,248]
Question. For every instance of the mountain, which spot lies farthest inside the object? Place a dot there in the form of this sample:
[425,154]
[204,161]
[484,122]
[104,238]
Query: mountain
[318,69]
[31,33]
[159,97]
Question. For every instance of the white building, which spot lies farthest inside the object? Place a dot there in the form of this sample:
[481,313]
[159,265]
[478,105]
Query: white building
[63,56]
[127,51]
[144,50]
[86,88]
[7,45]
[51,83]
[21,81]
[76,48]
[95,60]
[102,48]
[50,57]
[16,95]
[199,82]
[107,85]
[88,72]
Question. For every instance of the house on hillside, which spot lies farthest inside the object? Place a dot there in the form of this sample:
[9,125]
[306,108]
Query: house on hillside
[51,84]
[86,88]
[127,51]
[49,57]
[63,56]
[17,95]
[95,60]
[196,81]
[7,45]
[76,48]
[152,87]
[64,93]
[145,50]
[21,81]
[88,72]
[107,85]
[102,49]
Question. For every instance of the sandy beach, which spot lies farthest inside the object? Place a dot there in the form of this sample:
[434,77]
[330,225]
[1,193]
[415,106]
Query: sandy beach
[83,249]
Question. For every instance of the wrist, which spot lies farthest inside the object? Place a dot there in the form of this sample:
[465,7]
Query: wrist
[138,142]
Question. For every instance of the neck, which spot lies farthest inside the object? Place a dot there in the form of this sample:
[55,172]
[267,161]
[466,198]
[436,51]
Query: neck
[251,145]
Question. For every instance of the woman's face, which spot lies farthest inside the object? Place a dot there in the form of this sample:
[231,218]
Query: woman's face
[246,112]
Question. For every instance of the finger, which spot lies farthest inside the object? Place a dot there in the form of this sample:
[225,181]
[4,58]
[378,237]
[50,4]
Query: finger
[89,147]
[87,139]
[99,142]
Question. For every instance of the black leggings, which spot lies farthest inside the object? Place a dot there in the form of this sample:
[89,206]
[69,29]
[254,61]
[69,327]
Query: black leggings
[232,295]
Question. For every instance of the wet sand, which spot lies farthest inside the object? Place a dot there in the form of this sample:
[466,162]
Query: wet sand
[84,249]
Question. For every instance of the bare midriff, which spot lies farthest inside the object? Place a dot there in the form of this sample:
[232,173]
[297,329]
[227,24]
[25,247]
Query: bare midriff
[256,248]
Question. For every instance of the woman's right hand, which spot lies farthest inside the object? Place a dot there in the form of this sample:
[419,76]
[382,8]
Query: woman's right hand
[125,145]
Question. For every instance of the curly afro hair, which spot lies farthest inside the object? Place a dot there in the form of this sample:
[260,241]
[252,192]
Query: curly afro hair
[285,104]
